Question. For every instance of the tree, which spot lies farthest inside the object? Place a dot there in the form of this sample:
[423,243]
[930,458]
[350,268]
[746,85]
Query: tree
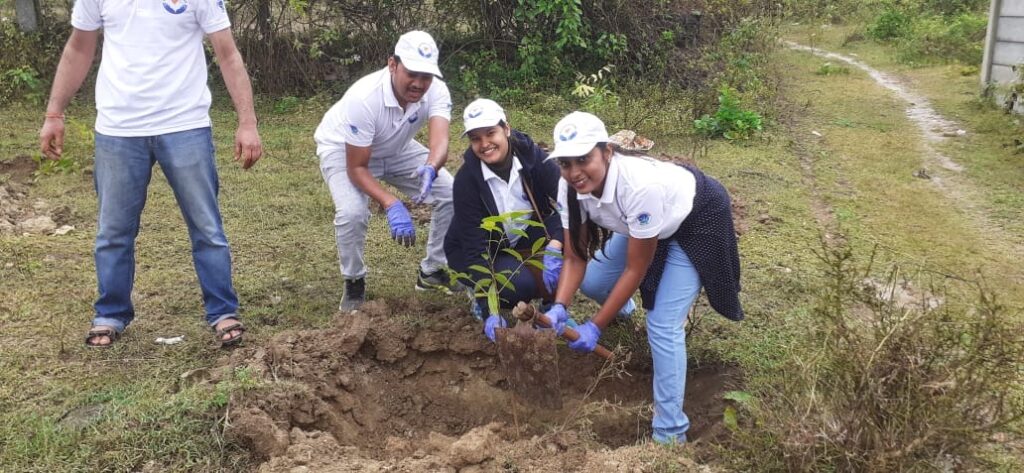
[27,13]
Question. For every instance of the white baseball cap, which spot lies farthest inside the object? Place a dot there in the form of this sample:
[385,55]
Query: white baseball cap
[577,134]
[418,52]
[482,113]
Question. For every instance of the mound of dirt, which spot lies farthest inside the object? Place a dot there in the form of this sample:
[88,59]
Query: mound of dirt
[411,385]
[21,214]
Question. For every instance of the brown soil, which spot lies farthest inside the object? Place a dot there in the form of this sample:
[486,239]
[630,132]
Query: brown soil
[17,205]
[411,385]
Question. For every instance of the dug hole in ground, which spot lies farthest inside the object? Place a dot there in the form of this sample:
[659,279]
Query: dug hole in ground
[376,392]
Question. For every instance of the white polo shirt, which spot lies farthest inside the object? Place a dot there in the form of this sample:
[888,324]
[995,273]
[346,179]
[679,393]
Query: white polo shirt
[642,198]
[369,115]
[152,77]
[508,196]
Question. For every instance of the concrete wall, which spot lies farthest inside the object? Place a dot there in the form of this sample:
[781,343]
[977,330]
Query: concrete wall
[1004,49]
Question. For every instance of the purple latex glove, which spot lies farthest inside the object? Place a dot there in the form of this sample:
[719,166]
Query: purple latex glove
[493,322]
[558,316]
[552,268]
[402,229]
[589,333]
[427,174]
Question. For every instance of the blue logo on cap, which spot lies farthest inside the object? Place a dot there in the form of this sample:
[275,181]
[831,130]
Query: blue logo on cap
[644,218]
[355,131]
[475,112]
[425,50]
[568,132]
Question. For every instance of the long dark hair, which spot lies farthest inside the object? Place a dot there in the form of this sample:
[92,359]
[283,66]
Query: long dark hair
[588,240]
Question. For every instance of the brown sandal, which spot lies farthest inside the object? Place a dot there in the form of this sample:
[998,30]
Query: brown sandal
[95,333]
[235,340]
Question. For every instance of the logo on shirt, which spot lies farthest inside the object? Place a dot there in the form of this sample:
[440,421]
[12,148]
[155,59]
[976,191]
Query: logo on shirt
[220,4]
[413,118]
[475,112]
[644,218]
[175,7]
[568,132]
[426,50]
[355,130]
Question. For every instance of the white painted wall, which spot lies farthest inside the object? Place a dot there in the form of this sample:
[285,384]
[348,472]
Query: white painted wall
[1004,49]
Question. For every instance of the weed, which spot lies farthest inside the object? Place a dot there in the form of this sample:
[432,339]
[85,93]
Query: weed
[730,121]
[881,386]
[78,140]
[829,69]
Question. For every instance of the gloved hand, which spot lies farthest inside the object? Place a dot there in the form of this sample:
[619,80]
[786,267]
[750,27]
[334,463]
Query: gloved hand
[558,316]
[493,322]
[402,230]
[552,268]
[427,174]
[589,333]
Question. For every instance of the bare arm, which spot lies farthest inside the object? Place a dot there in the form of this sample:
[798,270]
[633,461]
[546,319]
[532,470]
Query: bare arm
[75,62]
[639,254]
[248,148]
[437,134]
[357,160]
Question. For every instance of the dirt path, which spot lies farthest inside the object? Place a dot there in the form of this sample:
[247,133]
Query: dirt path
[942,171]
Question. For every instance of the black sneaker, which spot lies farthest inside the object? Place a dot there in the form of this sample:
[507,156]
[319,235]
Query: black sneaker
[439,280]
[355,295]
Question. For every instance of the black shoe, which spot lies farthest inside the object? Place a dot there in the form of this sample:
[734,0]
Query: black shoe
[355,295]
[439,280]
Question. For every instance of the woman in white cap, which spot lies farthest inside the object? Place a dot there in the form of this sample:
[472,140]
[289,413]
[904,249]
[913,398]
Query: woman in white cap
[633,223]
[503,171]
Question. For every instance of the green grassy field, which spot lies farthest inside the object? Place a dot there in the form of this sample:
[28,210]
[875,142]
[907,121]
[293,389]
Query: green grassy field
[72,409]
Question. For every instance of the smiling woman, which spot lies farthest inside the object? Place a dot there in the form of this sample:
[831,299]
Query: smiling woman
[637,223]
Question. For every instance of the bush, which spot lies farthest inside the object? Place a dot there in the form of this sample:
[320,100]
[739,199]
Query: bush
[730,121]
[880,386]
[942,39]
[891,24]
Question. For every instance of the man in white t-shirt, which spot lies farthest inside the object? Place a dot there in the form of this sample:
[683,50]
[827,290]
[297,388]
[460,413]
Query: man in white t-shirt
[368,137]
[152,106]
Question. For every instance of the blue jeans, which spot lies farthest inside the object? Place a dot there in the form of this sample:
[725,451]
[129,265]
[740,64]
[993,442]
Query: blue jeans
[122,173]
[666,334]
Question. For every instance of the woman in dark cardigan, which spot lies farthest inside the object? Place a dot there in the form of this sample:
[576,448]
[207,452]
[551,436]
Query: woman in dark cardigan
[503,171]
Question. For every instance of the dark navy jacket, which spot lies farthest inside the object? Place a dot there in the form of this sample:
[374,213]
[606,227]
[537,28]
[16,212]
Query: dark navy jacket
[466,242]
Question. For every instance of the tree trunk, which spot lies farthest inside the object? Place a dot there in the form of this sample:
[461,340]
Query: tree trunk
[27,12]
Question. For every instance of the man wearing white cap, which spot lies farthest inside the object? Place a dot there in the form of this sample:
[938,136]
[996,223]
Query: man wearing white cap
[367,137]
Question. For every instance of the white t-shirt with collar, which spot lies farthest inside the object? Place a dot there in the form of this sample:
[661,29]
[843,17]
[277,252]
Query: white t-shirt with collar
[508,196]
[152,77]
[642,198]
[369,115]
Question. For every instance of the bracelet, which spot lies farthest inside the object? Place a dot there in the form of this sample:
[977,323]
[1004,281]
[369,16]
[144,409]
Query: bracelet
[55,115]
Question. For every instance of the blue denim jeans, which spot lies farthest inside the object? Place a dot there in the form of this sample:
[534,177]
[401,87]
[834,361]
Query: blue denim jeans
[666,334]
[122,173]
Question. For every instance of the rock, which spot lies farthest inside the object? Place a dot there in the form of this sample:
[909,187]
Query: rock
[816,133]
[64,230]
[38,225]
[6,227]
[474,448]
[255,429]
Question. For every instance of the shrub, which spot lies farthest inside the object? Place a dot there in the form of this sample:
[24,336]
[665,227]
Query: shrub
[943,39]
[730,121]
[890,24]
[880,386]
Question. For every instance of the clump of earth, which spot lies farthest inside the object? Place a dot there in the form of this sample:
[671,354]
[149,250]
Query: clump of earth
[412,385]
[20,213]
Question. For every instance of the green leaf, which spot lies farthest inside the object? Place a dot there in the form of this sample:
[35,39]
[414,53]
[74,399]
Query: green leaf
[502,279]
[535,264]
[729,419]
[479,269]
[533,223]
[740,397]
[518,231]
[515,254]
[481,284]
[492,299]
[537,245]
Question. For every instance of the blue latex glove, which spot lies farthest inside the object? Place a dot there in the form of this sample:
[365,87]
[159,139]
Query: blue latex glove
[492,323]
[558,316]
[427,174]
[402,229]
[589,333]
[552,268]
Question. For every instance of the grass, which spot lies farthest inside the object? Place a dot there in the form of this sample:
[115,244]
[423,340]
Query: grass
[278,216]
